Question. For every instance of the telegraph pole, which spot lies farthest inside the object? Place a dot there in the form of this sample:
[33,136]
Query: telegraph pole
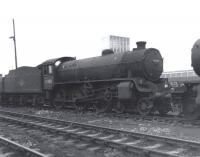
[14,40]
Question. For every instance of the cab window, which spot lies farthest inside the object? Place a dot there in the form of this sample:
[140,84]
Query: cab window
[47,69]
[50,69]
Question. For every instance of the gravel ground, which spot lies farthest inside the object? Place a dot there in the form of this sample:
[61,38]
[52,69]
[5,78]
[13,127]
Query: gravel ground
[183,132]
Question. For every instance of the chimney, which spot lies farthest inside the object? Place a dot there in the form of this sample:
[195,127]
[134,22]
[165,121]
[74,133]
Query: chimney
[141,44]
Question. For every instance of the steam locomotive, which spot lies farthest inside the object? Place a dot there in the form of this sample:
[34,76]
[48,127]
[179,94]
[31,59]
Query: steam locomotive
[191,96]
[119,82]
[186,87]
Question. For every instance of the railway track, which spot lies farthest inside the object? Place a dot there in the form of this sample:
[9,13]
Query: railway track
[9,148]
[94,137]
[163,120]
[167,119]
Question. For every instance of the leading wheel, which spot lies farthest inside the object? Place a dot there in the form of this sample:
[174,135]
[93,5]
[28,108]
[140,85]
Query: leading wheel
[144,106]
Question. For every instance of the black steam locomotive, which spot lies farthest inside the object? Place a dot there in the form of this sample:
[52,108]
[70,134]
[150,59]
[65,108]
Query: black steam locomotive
[128,81]
[191,95]
[186,88]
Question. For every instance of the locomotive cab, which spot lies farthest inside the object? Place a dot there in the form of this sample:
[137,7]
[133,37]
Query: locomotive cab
[48,76]
[48,69]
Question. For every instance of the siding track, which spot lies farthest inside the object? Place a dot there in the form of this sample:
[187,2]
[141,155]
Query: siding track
[92,137]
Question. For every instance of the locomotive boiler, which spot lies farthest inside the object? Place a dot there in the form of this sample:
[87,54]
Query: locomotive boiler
[119,82]
[141,62]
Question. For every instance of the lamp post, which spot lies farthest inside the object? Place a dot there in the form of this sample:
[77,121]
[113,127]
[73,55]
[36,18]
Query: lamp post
[14,40]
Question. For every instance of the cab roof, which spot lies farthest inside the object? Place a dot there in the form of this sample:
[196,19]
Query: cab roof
[54,60]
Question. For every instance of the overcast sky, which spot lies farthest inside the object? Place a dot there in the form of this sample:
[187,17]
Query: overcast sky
[53,28]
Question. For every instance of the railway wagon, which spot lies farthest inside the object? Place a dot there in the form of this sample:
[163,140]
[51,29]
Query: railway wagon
[128,81]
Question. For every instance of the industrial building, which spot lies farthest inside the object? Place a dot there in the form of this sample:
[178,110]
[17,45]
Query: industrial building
[116,43]
[181,76]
